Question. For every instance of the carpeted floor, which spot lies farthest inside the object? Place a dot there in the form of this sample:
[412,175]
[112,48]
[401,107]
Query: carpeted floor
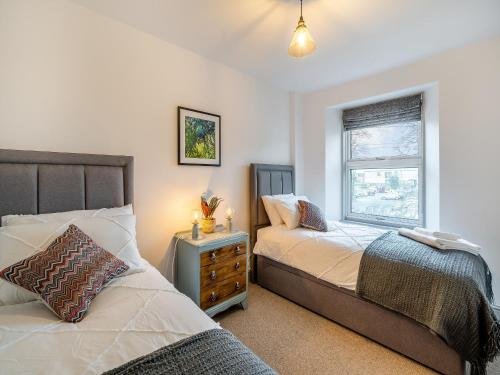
[294,340]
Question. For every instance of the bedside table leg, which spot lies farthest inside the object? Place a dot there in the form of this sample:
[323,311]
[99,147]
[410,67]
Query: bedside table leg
[244,304]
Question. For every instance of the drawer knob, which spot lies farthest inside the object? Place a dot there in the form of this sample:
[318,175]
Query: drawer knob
[237,265]
[213,275]
[237,285]
[237,250]
[213,297]
[213,257]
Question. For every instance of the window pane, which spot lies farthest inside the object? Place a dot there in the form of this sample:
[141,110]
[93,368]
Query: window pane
[385,141]
[390,193]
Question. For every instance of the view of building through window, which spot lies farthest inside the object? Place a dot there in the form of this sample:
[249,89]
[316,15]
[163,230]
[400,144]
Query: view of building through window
[385,192]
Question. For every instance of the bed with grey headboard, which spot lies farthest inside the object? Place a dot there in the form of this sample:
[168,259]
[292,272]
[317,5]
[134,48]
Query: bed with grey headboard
[48,182]
[267,179]
[343,306]
[34,182]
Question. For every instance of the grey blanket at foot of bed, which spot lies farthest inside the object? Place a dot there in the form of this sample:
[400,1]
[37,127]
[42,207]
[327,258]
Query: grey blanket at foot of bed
[448,291]
[211,352]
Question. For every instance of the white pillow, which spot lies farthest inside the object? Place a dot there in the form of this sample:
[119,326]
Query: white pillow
[289,210]
[272,213]
[17,242]
[63,216]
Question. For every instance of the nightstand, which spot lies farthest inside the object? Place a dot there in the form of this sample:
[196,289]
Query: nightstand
[212,271]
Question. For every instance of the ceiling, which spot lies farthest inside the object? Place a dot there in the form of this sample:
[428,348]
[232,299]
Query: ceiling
[354,38]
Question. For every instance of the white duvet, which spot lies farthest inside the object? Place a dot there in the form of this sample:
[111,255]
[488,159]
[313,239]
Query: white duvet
[133,316]
[332,256]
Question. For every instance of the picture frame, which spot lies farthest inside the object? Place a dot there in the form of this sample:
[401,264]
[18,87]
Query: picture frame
[198,138]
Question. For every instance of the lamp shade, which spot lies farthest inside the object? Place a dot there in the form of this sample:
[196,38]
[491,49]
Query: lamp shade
[302,43]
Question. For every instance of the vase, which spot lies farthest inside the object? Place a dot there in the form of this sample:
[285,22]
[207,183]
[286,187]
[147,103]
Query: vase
[208,225]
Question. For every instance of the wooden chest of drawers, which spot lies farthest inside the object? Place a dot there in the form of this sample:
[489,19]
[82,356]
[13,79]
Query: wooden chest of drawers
[213,271]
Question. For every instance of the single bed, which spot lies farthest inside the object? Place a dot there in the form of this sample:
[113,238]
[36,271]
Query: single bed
[337,253]
[132,317]
[327,287]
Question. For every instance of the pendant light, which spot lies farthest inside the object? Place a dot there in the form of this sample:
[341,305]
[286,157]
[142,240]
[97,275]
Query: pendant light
[302,43]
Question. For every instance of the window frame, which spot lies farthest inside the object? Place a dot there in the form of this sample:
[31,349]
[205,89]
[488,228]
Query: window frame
[417,161]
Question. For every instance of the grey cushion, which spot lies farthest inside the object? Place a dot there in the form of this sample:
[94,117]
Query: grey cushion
[60,188]
[312,217]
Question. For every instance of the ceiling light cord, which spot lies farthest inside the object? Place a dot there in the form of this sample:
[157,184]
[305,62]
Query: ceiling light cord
[300,9]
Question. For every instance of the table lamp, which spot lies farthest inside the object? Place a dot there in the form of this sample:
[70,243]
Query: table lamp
[229,219]
[195,231]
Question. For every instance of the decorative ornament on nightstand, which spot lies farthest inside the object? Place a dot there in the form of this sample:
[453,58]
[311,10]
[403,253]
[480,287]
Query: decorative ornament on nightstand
[208,207]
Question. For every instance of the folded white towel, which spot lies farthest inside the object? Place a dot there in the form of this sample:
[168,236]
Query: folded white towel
[441,243]
[438,234]
[428,240]
[459,244]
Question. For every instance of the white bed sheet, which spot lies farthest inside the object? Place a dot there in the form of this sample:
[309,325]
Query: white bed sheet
[332,256]
[133,316]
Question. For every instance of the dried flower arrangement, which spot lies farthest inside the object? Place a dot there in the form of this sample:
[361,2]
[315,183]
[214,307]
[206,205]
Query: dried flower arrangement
[208,206]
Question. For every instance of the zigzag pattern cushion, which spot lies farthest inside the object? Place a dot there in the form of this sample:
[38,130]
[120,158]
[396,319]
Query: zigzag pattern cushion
[312,217]
[68,275]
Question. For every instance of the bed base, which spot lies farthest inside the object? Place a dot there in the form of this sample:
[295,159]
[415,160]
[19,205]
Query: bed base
[384,326]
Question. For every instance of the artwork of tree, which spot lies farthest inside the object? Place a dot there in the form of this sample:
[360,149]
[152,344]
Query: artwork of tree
[199,138]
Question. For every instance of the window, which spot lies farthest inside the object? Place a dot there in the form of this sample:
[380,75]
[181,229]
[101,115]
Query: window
[383,163]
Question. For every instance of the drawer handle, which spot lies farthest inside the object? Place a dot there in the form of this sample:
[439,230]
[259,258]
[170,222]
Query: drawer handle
[237,265]
[237,286]
[237,250]
[213,297]
[213,257]
[213,275]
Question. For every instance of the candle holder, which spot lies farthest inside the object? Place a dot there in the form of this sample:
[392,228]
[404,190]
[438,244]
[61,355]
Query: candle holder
[229,220]
[229,224]
[195,230]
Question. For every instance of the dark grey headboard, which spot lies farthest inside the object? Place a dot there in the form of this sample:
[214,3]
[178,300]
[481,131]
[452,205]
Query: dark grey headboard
[33,182]
[267,179]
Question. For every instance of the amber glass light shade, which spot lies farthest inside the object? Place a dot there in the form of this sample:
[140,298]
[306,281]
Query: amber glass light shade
[302,43]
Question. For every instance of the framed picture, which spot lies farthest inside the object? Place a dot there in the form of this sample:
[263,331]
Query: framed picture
[198,138]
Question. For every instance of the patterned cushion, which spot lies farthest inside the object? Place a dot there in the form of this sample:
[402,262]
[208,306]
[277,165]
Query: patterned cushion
[311,217]
[68,275]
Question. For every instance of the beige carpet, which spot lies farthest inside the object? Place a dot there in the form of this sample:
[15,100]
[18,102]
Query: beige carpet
[294,340]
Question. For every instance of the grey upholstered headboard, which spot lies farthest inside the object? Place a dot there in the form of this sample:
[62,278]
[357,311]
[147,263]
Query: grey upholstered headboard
[33,182]
[267,179]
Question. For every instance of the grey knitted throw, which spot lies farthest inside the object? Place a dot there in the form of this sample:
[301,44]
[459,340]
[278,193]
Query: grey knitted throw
[447,291]
[210,352]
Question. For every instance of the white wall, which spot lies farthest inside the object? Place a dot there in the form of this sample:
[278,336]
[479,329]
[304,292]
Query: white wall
[296,143]
[72,80]
[468,79]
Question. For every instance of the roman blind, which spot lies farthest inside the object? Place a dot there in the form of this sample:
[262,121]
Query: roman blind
[399,110]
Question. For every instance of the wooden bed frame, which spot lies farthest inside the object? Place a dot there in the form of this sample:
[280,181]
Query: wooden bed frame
[343,306]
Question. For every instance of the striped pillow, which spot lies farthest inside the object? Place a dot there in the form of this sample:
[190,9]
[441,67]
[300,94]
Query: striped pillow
[68,275]
[311,217]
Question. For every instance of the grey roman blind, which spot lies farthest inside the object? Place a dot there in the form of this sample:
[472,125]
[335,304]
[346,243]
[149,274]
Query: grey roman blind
[400,110]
